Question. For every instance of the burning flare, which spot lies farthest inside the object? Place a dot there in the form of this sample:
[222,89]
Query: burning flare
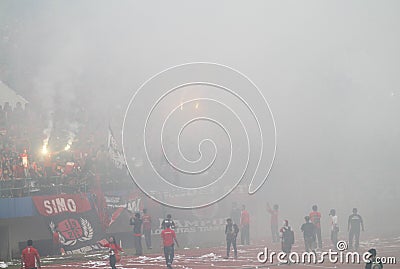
[44,148]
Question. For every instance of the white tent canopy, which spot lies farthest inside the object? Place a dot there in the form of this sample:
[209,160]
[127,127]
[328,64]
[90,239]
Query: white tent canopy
[9,95]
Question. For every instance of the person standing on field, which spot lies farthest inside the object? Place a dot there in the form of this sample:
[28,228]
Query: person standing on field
[168,238]
[137,233]
[315,218]
[309,232]
[146,218]
[274,212]
[245,226]
[334,227]
[355,222]
[30,258]
[231,233]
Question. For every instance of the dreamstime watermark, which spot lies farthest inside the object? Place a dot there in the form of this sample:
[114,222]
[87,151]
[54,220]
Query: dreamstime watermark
[333,256]
[198,130]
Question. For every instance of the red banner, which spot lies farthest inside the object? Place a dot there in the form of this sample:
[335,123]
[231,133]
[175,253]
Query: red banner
[63,203]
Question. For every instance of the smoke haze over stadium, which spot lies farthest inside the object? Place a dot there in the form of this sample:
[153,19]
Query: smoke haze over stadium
[329,70]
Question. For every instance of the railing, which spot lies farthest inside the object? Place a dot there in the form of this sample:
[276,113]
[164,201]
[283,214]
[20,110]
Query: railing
[22,187]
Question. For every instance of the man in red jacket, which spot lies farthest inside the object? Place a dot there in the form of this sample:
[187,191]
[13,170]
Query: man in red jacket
[231,232]
[146,218]
[315,218]
[168,238]
[245,226]
[30,257]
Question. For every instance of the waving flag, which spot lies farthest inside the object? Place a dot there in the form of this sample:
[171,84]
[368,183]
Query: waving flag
[72,219]
[115,154]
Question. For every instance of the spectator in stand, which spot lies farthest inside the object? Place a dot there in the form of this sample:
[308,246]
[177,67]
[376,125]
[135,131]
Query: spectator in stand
[25,162]
[70,169]
[6,167]
[18,168]
[36,171]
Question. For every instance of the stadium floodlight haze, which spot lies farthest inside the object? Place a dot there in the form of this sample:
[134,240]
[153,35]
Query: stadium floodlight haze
[233,109]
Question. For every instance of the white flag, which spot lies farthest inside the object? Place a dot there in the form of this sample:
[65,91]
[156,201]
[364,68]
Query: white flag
[115,155]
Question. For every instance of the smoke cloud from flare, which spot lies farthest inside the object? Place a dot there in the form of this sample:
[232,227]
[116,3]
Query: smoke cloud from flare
[47,133]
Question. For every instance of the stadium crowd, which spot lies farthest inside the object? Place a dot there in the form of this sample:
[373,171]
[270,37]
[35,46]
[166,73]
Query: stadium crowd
[28,167]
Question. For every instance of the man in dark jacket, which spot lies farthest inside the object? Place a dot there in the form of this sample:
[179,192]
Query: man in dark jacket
[137,233]
[287,238]
[372,261]
[309,233]
[168,220]
[231,232]
[355,222]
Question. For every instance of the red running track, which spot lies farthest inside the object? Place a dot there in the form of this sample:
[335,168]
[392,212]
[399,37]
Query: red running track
[213,258]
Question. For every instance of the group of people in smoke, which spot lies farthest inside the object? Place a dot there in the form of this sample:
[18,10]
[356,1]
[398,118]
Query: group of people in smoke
[138,222]
[168,234]
[311,229]
[239,221]
[14,142]
[21,174]
[169,237]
